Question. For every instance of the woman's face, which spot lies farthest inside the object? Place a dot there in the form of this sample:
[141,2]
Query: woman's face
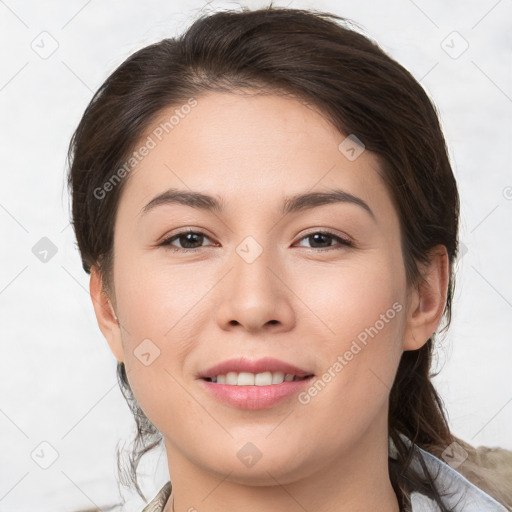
[255,282]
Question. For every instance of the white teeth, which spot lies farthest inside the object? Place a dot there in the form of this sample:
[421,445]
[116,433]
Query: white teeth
[244,378]
[251,379]
[277,377]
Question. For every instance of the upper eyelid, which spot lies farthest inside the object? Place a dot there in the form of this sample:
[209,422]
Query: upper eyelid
[185,232]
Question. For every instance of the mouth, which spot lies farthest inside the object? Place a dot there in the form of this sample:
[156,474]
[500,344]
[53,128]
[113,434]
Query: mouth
[241,371]
[258,379]
[255,391]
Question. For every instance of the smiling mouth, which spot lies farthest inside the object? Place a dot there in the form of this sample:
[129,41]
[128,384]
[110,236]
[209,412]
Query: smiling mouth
[259,379]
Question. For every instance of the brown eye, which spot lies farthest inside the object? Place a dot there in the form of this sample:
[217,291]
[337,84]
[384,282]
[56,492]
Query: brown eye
[319,238]
[189,240]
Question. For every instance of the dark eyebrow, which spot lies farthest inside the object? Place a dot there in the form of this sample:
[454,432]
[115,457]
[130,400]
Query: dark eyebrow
[291,204]
[187,198]
[312,199]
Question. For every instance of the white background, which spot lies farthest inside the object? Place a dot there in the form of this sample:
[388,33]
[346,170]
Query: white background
[57,374]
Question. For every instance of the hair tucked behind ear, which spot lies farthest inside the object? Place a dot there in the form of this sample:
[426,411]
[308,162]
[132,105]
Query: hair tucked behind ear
[321,60]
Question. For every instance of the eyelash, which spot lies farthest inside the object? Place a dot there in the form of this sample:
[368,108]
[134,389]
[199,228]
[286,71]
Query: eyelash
[167,242]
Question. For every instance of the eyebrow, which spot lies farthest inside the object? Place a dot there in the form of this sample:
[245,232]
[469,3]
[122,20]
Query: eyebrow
[292,204]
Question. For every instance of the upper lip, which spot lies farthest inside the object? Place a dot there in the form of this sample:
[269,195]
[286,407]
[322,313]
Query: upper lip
[242,364]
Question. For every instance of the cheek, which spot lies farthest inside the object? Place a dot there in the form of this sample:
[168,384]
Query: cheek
[359,364]
[156,309]
[350,295]
[163,310]
[154,298]
[363,307]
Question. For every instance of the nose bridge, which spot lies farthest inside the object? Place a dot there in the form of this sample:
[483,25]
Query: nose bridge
[251,276]
[252,294]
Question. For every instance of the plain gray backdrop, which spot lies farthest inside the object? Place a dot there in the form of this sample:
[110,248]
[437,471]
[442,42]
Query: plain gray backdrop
[61,412]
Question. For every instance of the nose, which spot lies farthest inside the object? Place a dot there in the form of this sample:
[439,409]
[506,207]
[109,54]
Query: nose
[254,296]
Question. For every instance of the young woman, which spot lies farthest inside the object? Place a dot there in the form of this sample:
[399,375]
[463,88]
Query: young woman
[269,218]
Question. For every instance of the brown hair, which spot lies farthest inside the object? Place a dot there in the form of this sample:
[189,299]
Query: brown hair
[320,59]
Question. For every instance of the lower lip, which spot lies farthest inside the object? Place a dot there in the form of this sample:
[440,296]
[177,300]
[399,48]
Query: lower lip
[255,397]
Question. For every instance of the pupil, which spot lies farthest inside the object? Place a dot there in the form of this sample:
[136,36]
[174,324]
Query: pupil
[188,241]
[318,235]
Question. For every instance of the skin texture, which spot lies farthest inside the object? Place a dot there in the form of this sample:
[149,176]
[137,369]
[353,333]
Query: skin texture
[298,302]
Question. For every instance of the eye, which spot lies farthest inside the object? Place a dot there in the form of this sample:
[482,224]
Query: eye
[322,237]
[190,240]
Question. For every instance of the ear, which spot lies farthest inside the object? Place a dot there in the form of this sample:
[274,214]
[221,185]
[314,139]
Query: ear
[105,315]
[427,301]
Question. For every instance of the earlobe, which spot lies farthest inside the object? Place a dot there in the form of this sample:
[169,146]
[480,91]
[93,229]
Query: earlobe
[428,301]
[105,314]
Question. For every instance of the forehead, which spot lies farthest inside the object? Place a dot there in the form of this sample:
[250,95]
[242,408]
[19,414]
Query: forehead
[248,149]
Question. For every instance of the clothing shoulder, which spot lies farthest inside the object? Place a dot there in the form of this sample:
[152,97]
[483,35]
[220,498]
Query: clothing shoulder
[157,504]
[456,491]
